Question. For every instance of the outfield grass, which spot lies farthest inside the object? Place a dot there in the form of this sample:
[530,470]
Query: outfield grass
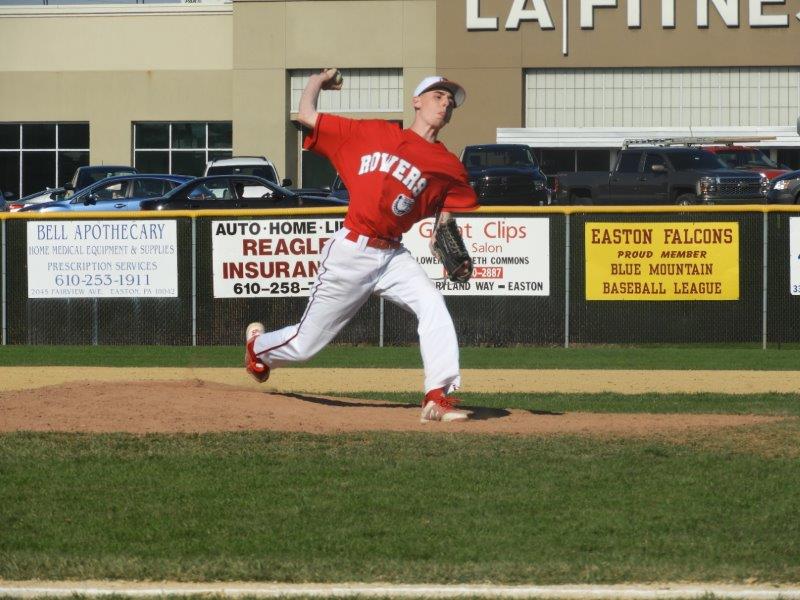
[608,402]
[398,508]
[415,508]
[595,357]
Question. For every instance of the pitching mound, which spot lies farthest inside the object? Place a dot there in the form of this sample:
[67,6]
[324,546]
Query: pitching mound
[202,406]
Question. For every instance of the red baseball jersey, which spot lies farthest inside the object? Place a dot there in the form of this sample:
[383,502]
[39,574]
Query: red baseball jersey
[394,176]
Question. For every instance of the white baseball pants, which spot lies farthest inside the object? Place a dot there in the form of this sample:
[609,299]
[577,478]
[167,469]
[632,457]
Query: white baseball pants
[349,272]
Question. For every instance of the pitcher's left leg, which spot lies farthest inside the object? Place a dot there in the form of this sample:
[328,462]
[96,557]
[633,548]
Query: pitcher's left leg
[406,284]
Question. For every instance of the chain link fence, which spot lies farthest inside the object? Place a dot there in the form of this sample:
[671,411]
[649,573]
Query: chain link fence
[765,312]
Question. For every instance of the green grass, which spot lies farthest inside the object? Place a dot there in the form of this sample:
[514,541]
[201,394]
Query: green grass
[607,402]
[520,357]
[435,508]
[399,508]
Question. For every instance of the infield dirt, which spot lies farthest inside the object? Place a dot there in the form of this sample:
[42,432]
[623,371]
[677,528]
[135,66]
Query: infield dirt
[203,400]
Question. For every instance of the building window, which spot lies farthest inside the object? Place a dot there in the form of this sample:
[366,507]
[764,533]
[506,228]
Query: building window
[364,90]
[662,97]
[182,148]
[36,156]
[316,170]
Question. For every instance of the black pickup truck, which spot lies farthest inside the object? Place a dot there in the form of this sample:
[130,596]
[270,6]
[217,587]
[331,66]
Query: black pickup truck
[663,175]
[505,174]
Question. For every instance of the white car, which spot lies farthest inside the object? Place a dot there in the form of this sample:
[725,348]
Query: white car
[258,166]
[48,195]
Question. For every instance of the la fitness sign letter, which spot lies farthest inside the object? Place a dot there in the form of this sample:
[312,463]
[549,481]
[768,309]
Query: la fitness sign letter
[539,12]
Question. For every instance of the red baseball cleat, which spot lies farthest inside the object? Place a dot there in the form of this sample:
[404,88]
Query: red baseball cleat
[437,406]
[257,369]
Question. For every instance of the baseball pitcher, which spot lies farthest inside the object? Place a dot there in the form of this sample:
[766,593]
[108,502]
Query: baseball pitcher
[396,177]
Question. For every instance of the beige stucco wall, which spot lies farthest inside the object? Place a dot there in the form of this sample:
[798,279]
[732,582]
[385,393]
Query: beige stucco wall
[111,101]
[198,63]
[490,64]
[75,40]
[68,64]
[230,62]
[272,37]
[611,43]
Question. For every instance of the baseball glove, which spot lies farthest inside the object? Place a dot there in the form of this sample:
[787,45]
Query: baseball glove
[448,247]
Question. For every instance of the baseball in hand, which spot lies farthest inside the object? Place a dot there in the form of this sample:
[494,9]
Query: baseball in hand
[334,81]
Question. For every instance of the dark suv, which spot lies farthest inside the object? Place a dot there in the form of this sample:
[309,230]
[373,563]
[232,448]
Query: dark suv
[505,174]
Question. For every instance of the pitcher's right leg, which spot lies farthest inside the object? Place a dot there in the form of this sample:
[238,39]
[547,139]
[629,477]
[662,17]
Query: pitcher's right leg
[344,283]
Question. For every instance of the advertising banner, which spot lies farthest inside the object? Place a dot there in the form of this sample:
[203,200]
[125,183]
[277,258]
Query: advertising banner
[794,255]
[662,261]
[511,255]
[268,257]
[102,259]
[280,258]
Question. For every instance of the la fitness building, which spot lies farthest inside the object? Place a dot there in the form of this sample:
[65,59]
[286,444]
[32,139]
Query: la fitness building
[166,87]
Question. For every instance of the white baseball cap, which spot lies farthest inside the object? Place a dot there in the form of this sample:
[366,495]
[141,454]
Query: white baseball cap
[439,82]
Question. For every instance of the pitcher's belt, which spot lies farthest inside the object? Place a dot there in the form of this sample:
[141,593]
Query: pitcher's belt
[374,242]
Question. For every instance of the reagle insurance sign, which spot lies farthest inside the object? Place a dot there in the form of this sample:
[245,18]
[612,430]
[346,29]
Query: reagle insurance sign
[539,12]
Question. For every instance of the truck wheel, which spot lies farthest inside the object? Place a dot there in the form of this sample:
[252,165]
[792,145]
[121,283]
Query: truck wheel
[686,199]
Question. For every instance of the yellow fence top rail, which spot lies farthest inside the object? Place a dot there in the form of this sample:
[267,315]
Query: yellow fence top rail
[160,214]
[301,212]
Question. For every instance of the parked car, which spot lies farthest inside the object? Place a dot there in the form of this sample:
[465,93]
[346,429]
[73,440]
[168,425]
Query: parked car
[90,174]
[222,192]
[259,166]
[338,189]
[748,159]
[663,175]
[5,200]
[125,192]
[505,174]
[82,177]
[48,195]
[785,189]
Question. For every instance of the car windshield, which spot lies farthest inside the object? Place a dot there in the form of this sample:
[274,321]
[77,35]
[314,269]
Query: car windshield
[695,160]
[103,190]
[59,194]
[499,157]
[741,159]
[50,195]
[95,176]
[263,171]
[181,189]
[279,191]
[212,187]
